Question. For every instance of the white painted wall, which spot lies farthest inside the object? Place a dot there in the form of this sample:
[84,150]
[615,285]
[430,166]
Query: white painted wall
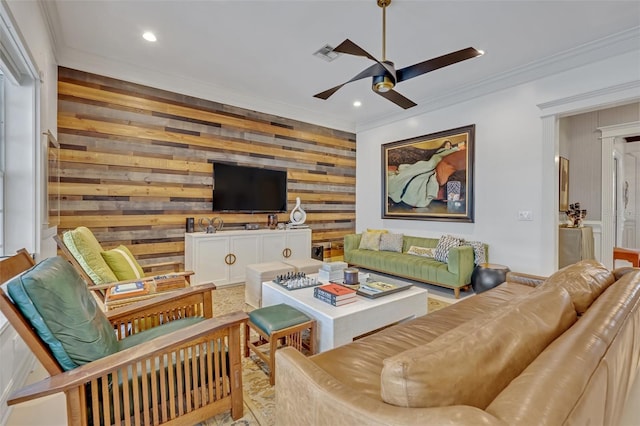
[511,164]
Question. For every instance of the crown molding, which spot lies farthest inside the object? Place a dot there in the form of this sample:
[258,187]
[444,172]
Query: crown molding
[51,18]
[618,94]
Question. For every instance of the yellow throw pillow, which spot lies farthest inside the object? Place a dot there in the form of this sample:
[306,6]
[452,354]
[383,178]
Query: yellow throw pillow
[122,263]
[86,249]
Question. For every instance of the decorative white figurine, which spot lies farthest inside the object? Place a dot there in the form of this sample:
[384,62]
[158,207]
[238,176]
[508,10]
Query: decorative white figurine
[298,215]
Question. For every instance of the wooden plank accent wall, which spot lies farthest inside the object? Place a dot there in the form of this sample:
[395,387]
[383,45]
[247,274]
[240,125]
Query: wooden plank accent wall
[135,162]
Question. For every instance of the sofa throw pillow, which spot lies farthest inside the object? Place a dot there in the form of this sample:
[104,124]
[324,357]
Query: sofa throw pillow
[479,254]
[86,249]
[123,264]
[370,240]
[445,244]
[488,353]
[421,251]
[391,242]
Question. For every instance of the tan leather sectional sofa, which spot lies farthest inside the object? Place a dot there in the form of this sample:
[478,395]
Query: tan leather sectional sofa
[532,351]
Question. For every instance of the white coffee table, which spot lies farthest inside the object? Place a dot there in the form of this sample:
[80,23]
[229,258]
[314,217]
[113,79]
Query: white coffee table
[338,325]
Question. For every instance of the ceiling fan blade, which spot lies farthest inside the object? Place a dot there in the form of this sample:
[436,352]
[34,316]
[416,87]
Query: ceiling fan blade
[374,69]
[436,63]
[397,99]
[350,48]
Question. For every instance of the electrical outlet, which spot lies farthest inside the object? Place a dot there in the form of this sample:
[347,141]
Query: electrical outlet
[525,215]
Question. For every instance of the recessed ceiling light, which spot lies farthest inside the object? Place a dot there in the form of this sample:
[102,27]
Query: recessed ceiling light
[357,104]
[149,36]
[326,52]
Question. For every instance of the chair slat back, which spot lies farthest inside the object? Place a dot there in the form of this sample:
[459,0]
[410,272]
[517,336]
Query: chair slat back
[14,265]
[9,268]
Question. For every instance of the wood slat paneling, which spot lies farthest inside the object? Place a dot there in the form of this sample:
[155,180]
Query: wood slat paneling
[135,162]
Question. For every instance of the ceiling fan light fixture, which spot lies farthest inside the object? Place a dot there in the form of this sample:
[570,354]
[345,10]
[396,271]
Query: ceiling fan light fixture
[382,84]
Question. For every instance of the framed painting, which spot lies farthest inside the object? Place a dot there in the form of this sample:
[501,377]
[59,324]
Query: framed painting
[429,177]
[563,180]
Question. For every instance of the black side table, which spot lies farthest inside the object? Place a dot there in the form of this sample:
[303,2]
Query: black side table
[486,276]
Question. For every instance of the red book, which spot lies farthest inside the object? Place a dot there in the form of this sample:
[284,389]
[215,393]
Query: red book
[337,291]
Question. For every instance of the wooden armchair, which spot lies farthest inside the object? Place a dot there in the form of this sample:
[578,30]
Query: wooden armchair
[112,267]
[172,363]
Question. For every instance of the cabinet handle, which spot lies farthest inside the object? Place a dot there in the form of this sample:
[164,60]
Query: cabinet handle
[286,253]
[230,259]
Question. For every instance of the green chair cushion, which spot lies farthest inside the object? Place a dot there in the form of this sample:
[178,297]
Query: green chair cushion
[276,317]
[122,263]
[55,299]
[88,252]
[161,330]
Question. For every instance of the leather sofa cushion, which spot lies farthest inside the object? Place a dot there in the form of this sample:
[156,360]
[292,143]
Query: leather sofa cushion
[472,363]
[55,299]
[584,280]
[358,365]
[586,371]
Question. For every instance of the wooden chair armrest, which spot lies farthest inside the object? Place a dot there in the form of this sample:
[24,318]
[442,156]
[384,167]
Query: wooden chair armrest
[163,302]
[140,353]
[99,287]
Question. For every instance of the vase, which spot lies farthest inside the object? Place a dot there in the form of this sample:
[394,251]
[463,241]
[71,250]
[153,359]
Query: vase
[298,215]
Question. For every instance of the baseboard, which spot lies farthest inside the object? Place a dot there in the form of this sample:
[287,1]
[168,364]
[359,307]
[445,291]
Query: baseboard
[18,379]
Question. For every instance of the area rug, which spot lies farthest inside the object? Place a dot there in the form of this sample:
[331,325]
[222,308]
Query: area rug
[259,395]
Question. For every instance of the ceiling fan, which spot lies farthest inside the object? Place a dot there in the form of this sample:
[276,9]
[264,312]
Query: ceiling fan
[385,76]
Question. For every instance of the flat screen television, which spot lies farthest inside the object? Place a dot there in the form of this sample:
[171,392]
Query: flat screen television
[248,189]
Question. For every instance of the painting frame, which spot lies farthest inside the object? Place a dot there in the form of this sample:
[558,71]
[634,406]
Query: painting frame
[430,177]
[563,184]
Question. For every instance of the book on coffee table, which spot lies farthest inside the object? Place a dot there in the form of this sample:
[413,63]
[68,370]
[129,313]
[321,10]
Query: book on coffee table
[335,291]
[375,289]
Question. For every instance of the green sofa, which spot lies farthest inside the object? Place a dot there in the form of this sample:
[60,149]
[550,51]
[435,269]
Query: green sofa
[455,274]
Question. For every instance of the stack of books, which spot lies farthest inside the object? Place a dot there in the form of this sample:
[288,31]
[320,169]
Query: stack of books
[123,291]
[332,271]
[334,294]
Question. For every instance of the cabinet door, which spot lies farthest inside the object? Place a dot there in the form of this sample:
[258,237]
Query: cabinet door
[243,251]
[209,261]
[272,246]
[298,244]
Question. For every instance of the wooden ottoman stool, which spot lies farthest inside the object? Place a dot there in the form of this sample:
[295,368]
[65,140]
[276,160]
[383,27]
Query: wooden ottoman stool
[277,324]
[258,273]
[308,266]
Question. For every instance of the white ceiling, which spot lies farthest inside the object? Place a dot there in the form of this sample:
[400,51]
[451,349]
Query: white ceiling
[258,54]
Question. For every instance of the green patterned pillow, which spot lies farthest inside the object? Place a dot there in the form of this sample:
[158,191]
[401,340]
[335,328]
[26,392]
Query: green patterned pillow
[122,263]
[370,241]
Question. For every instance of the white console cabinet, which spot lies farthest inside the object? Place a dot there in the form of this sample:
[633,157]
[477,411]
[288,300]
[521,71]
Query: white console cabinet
[222,257]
